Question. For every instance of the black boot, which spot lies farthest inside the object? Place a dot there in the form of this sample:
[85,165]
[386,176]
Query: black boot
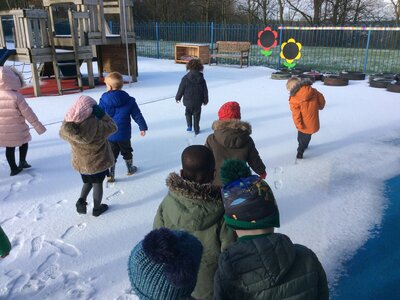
[81,206]
[24,164]
[15,171]
[98,211]
[131,169]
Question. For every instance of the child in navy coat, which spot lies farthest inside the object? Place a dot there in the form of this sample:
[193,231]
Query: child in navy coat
[193,89]
[121,107]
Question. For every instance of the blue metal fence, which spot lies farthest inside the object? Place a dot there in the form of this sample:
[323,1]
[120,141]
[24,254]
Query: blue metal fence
[368,49]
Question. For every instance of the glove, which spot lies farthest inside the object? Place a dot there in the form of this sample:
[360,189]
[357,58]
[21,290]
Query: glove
[263,175]
[98,112]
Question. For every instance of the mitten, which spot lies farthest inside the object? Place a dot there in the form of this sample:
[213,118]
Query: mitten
[98,112]
[263,175]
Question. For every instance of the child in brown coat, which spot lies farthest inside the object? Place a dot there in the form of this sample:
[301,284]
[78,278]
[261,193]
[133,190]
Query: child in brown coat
[232,140]
[86,127]
[305,102]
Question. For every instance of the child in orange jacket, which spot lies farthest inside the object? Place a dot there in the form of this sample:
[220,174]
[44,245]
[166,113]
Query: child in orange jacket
[305,103]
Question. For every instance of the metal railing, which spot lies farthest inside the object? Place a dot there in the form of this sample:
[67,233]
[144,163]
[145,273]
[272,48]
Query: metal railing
[365,49]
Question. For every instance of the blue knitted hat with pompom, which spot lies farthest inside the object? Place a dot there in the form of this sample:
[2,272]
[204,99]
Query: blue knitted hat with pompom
[164,265]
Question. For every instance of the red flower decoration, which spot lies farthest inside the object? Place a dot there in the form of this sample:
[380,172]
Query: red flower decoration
[267,38]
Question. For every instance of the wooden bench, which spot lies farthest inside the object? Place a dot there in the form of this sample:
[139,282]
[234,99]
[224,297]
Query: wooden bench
[240,50]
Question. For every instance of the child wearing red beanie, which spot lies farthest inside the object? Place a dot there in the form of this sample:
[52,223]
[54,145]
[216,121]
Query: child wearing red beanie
[231,140]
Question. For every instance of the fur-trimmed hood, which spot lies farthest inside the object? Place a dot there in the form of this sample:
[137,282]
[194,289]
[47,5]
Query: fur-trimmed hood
[306,82]
[232,133]
[191,205]
[193,190]
[232,124]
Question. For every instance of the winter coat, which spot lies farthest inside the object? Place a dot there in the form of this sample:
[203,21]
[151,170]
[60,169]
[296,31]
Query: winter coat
[14,110]
[231,140]
[194,90]
[269,267]
[121,107]
[305,102]
[198,209]
[91,152]
[5,245]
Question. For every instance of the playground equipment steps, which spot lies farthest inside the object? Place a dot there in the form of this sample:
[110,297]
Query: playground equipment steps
[81,51]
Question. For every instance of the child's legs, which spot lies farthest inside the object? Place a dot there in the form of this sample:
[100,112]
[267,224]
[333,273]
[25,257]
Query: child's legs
[86,188]
[126,149]
[115,149]
[189,116]
[196,119]
[10,155]
[23,151]
[97,194]
[303,139]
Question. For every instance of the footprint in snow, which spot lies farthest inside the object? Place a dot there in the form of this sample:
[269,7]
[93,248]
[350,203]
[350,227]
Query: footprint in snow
[65,248]
[37,244]
[115,195]
[73,230]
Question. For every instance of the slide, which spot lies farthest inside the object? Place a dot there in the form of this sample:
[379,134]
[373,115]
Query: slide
[5,54]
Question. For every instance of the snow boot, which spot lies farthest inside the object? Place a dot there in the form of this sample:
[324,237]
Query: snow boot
[299,155]
[131,169]
[23,164]
[189,128]
[15,171]
[98,211]
[111,175]
[81,206]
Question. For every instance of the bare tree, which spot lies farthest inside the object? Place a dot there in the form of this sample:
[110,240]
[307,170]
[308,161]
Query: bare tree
[305,9]
[396,6]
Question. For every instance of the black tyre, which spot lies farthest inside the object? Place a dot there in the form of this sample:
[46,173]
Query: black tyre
[314,76]
[352,75]
[388,76]
[393,87]
[379,82]
[333,80]
[281,75]
[296,71]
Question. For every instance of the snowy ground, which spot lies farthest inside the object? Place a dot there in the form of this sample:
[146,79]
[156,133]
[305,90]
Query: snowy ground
[331,202]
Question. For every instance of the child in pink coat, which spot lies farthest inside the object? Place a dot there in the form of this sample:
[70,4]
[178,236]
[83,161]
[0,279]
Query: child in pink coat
[14,111]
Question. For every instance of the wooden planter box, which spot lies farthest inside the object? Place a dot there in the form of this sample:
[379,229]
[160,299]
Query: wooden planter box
[185,52]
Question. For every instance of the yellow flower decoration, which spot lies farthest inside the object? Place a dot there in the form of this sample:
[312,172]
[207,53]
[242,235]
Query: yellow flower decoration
[290,51]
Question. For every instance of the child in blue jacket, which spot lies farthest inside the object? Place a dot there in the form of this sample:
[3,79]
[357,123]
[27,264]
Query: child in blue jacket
[121,107]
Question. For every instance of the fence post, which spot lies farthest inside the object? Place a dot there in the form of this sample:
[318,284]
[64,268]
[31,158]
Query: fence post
[212,35]
[280,43]
[157,45]
[366,52]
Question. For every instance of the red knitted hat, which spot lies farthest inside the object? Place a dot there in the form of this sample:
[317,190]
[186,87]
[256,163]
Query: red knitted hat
[229,110]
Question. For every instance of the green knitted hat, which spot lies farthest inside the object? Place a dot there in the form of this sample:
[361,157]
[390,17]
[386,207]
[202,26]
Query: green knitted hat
[164,265]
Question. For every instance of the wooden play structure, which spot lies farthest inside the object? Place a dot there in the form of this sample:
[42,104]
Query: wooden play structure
[38,44]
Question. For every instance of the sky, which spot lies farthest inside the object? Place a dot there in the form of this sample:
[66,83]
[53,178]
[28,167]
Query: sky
[332,201]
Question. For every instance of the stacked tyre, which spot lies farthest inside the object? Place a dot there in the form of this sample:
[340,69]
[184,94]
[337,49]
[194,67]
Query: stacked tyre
[335,80]
[350,75]
[381,80]
[313,76]
[281,75]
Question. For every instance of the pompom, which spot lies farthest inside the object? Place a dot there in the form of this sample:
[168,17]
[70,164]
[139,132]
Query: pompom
[233,169]
[183,270]
[160,246]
